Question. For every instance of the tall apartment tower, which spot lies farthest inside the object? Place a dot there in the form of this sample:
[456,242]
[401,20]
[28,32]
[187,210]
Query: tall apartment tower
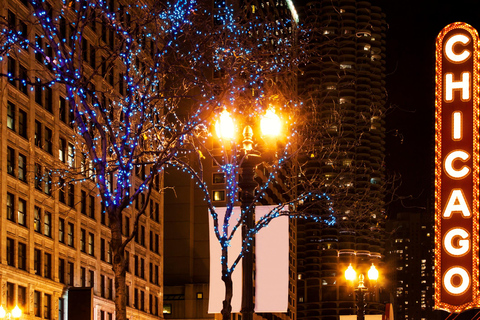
[54,236]
[343,86]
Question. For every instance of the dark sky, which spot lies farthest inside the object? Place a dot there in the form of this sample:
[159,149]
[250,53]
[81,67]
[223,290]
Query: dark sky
[412,29]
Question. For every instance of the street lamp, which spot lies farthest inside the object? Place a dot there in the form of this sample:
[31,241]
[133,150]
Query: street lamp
[270,127]
[361,289]
[16,313]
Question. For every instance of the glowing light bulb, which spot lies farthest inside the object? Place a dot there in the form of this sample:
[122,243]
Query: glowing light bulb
[224,127]
[2,312]
[270,124]
[350,273]
[373,273]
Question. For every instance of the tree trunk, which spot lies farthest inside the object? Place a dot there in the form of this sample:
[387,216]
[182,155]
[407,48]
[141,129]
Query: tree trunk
[227,303]
[118,266]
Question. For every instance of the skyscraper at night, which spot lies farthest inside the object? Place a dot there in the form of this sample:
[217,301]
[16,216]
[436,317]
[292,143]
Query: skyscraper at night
[343,86]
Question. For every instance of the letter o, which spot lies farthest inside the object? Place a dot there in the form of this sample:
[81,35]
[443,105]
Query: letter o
[464,285]
[449,48]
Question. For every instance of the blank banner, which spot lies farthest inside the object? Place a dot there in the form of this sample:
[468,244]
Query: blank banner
[217,286]
[271,264]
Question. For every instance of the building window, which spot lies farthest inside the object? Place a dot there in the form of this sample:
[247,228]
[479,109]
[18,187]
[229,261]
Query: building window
[47,224]
[83,240]
[47,306]
[22,123]
[219,195]
[22,212]
[10,116]
[92,278]
[91,244]
[167,308]
[37,261]
[83,275]
[71,155]
[22,256]
[38,134]
[48,140]
[48,183]
[61,230]
[61,270]
[22,297]
[10,295]
[218,178]
[10,252]
[37,226]
[38,177]
[10,161]
[102,249]
[71,234]
[47,265]
[37,311]
[83,202]
[10,207]
[70,273]
[102,286]
[62,150]
[91,209]
[22,167]
[61,190]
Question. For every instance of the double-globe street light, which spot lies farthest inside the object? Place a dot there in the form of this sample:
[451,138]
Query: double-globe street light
[16,313]
[270,127]
[361,289]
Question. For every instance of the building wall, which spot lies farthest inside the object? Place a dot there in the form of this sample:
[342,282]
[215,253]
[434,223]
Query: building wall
[42,252]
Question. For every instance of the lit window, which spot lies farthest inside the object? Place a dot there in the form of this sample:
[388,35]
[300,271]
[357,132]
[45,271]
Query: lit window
[219,195]
[167,309]
[199,295]
[345,66]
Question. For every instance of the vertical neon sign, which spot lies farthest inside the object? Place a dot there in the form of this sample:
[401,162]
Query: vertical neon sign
[456,168]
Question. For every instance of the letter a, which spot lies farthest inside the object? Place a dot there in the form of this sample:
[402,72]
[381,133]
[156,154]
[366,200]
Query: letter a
[456,203]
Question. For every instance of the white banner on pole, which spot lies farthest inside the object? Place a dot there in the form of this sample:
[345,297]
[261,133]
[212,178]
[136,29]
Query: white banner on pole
[271,264]
[217,286]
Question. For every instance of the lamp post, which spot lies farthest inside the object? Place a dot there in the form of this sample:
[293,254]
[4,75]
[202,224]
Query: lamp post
[16,313]
[361,289]
[270,126]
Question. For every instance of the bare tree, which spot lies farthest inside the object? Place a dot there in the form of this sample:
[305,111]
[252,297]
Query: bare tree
[141,81]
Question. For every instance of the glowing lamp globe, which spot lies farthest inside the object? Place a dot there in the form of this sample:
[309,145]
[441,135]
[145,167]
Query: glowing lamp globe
[2,312]
[373,273]
[270,124]
[224,126]
[350,273]
[16,312]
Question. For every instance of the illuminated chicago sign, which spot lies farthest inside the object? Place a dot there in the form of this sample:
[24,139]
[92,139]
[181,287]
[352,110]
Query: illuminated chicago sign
[457,169]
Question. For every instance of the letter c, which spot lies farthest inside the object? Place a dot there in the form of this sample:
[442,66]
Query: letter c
[449,48]
[450,170]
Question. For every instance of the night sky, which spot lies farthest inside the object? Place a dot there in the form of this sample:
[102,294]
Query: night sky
[412,29]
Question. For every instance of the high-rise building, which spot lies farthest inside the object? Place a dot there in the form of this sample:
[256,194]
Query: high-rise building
[343,86]
[54,233]
[410,257]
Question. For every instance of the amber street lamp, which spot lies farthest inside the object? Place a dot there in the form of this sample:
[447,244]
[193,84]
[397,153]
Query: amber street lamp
[16,313]
[271,127]
[361,289]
